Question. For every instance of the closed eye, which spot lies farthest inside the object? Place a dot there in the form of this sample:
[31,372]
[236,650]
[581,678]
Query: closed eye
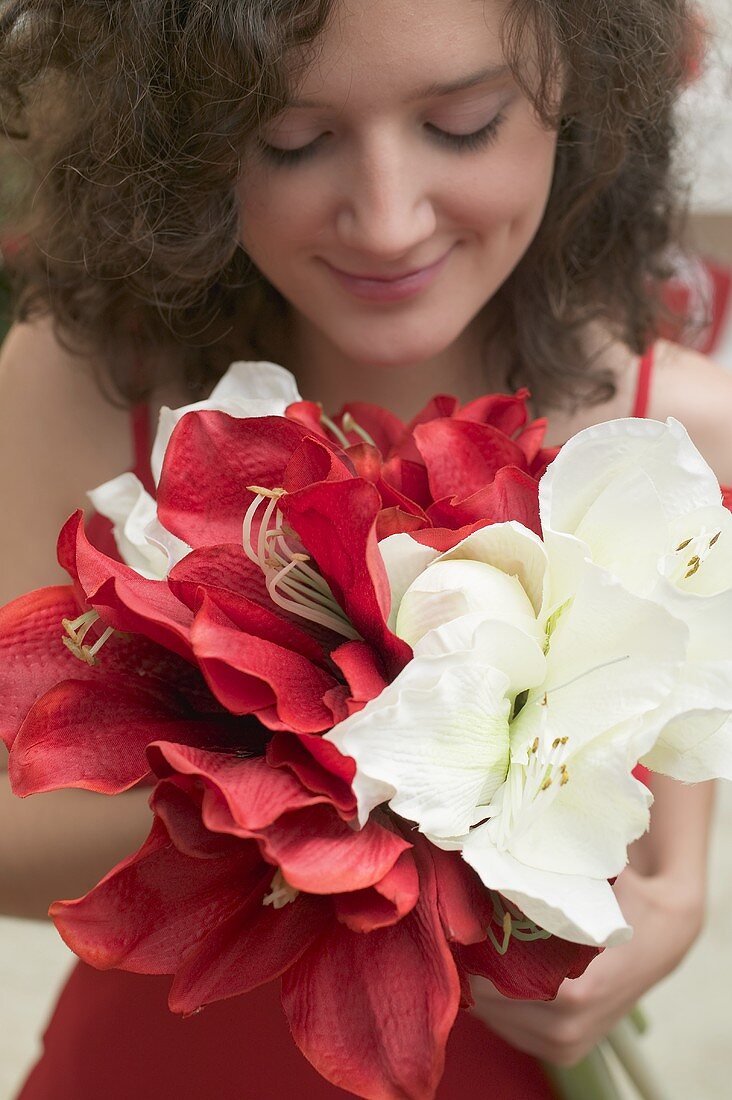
[461,143]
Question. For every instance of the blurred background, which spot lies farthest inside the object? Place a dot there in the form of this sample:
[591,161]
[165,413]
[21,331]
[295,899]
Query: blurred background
[689,1040]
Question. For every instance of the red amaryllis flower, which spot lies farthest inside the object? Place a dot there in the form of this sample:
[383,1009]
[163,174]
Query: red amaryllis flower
[451,466]
[81,723]
[249,874]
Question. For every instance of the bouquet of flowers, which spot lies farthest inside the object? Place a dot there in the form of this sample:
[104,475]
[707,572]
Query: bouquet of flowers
[393,686]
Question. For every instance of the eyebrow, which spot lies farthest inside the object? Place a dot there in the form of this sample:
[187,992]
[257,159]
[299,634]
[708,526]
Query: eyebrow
[430,91]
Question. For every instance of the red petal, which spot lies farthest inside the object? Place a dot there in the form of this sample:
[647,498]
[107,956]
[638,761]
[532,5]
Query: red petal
[154,905]
[506,412]
[249,674]
[253,793]
[210,460]
[383,904]
[320,853]
[440,407]
[542,461]
[309,415]
[177,802]
[318,765]
[373,1012]
[94,735]
[336,523]
[124,599]
[383,426]
[255,945]
[367,461]
[362,669]
[443,539]
[395,521]
[465,906]
[531,439]
[409,478]
[513,495]
[531,970]
[463,457]
[314,461]
[238,587]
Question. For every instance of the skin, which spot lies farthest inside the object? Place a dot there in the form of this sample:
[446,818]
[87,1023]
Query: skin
[378,196]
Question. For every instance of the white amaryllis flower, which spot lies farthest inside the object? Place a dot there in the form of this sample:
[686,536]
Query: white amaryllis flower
[513,732]
[640,501]
[247,389]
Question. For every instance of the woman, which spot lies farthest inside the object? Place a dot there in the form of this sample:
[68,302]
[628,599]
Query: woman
[391,205]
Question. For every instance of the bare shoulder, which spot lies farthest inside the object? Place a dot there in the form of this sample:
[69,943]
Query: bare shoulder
[58,438]
[698,392]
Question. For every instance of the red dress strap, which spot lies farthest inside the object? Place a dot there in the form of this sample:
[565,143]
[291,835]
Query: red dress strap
[142,445]
[643,385]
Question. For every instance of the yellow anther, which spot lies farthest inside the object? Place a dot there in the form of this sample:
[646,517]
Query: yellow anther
[694,569]
[535,746]
[546,784]
[684,545]
[77,630]
[696,560]
[715,539]
[565,776]
[271,494]
[563,740]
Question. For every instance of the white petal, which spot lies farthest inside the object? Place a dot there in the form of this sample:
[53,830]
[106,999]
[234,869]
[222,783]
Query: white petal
[573,907]
[626,530]
[707,618]
[404,560]
[125,502]
[434,744]
[694,748]
[694,726]
[605,622]
[488,642]
[589,823]
[246,390]
[448,589]
[171,546]
[590,460]
[258,381]
[514,550]
[714,575]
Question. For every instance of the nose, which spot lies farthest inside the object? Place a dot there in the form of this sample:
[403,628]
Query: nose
[385,210]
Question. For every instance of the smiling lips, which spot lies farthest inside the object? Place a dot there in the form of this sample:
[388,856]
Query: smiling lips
[379,289]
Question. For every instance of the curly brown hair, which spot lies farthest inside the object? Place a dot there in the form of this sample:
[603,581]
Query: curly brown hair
[133,115]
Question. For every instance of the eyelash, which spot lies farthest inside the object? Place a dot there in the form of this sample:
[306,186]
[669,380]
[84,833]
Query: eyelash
[458,143]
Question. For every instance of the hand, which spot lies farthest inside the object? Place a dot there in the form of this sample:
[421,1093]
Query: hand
[665,921]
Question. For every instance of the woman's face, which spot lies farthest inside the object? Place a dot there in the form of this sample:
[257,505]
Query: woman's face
[409,145]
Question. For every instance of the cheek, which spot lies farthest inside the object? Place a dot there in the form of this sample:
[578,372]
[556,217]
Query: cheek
[510,188]
[278,212]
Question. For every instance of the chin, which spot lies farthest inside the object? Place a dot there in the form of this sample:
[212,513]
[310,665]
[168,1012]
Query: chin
[391,353]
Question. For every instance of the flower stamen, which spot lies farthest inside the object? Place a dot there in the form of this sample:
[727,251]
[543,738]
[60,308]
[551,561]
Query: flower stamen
[291,582]
[281,893]
[333,428]
[77,630]
[351,425]
[701,545]
[518,928]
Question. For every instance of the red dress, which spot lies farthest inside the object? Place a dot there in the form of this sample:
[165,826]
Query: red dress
[112,1036]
